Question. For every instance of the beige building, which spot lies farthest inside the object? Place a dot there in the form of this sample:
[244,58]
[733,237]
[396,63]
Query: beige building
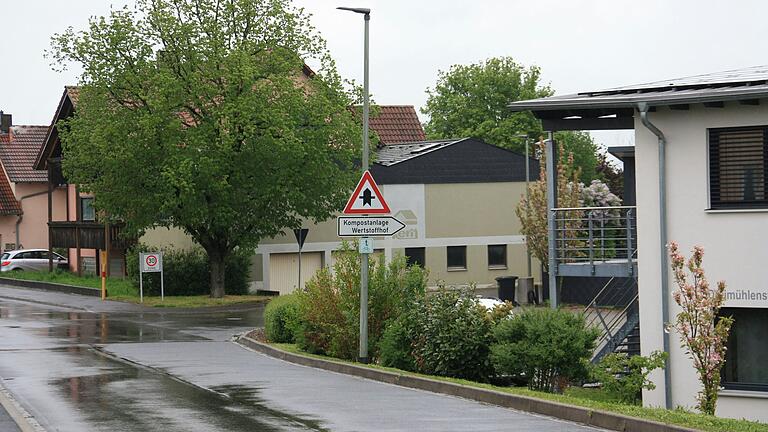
[457,199]
[701,160]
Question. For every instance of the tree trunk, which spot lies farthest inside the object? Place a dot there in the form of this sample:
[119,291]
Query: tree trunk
[218,274]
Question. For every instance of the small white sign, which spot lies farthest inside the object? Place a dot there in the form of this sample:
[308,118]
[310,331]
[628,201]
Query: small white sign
[384,226]
[366,245]
[151,262]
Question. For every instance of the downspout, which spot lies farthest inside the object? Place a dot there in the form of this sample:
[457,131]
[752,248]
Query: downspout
[21,215]
[643,108]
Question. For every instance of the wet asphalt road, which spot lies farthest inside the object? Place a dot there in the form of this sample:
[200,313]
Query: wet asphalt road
[80,365]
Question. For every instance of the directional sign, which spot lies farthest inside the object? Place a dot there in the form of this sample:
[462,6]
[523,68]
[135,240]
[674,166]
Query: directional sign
[151,262]
[382,226]
[366,199]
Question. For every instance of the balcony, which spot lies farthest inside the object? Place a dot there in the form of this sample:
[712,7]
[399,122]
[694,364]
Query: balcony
[87,235]
[595,241]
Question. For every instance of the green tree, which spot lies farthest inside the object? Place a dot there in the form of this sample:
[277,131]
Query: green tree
[472,100]
[196,114]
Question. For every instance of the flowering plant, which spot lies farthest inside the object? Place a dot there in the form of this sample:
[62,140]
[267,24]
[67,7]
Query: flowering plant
[703,333]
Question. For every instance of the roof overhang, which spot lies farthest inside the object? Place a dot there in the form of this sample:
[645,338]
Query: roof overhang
[614,109]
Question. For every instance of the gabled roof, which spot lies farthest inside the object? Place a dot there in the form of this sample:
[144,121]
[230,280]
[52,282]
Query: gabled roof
[740,84]
[18,152]
[466,160]
[397,124]
[65,108]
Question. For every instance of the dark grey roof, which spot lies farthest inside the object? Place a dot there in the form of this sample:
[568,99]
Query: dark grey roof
[396,153]
[467,160]
[622,152]
[740,84]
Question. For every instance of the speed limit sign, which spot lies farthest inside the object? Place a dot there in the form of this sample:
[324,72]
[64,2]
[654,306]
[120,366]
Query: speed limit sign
[150,262]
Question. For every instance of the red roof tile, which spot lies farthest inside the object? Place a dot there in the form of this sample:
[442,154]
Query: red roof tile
[8,203]
[18,153]
[397,124]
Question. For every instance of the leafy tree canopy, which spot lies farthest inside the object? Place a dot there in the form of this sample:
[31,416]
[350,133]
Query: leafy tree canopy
[196,114]
[472,100]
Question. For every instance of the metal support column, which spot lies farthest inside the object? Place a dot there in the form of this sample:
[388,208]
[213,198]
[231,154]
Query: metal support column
[551,225]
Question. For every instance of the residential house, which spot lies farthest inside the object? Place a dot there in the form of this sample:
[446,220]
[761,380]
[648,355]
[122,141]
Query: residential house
[23,190]
[77,228]
[701,161]
[457,199]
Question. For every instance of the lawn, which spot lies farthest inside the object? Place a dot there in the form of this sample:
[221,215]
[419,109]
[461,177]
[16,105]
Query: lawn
[124,290]
[589,398]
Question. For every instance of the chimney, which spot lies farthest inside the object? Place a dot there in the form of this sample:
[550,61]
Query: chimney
[6,121]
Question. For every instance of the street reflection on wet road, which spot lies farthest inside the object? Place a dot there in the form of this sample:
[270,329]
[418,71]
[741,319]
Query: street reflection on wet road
[49,359]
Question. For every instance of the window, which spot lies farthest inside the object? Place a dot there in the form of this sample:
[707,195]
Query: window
[738,161]
[87,212]
[457,257]
[745,358]
[497,256]
[415,256]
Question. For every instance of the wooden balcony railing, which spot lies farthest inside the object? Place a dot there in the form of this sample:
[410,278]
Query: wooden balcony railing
[87,235]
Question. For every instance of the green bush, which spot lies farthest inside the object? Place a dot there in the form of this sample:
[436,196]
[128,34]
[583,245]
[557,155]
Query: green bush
[187,272]
[624,377]
[281,316]
[446,333]
[395,345]
[330,303]
[548,348]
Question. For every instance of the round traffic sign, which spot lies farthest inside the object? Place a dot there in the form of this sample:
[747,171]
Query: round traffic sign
[151,260]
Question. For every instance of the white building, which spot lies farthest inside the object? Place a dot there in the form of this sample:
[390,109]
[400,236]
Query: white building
[701,154]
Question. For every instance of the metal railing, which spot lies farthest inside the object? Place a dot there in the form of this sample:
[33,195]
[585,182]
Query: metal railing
[613,311]
[590,235]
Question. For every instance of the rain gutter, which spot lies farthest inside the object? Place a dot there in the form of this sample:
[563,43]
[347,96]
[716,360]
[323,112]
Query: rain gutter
[643,108]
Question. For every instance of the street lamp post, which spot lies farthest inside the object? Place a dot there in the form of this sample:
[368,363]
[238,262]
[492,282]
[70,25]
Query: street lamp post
[527,197]
[363,352]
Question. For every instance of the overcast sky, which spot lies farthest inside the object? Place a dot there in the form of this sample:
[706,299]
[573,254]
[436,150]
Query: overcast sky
[580,45]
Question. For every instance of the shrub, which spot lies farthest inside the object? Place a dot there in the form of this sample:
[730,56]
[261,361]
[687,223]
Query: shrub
[450,335]
[187,272]
[624,377]
[395,345]
[330,303]
[281,318]
[544,346]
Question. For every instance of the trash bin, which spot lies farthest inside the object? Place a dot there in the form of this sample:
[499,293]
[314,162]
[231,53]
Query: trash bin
[507,288]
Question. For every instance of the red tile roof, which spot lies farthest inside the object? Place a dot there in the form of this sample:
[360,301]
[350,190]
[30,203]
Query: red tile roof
[8,203]
[74,94]
[18,151]
[397,124]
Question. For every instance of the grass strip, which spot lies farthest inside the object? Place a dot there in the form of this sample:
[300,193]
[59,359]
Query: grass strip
[123,290]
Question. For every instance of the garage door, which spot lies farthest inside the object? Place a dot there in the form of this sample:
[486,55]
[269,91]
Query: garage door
[284,270]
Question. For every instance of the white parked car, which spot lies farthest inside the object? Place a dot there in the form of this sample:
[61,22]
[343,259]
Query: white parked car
[30,260]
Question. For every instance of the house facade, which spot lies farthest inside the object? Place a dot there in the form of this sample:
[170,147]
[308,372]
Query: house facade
[457,199]
[701,163]
[23,190]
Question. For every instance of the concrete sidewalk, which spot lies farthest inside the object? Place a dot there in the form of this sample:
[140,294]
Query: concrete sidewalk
[336,402]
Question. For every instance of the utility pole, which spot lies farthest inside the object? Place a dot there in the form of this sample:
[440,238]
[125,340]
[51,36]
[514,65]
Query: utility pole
[363,352]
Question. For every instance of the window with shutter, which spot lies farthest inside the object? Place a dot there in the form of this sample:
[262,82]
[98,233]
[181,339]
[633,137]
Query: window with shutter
[737,167]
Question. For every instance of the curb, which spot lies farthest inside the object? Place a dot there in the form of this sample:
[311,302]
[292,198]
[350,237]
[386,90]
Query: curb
[22,417]
[50,286]
[586,416]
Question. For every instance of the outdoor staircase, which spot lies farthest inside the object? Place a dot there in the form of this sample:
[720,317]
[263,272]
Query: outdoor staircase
[614,311]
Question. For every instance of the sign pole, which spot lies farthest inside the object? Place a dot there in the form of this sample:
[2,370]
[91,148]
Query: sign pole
[141,279]
[162,287]
[363,354]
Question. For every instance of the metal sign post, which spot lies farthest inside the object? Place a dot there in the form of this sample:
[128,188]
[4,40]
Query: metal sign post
[150,262]
[301,236]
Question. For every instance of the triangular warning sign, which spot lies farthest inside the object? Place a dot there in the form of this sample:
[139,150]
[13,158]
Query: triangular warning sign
[366,199]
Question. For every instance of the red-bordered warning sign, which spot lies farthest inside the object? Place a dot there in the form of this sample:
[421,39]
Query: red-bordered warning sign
[367,198]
